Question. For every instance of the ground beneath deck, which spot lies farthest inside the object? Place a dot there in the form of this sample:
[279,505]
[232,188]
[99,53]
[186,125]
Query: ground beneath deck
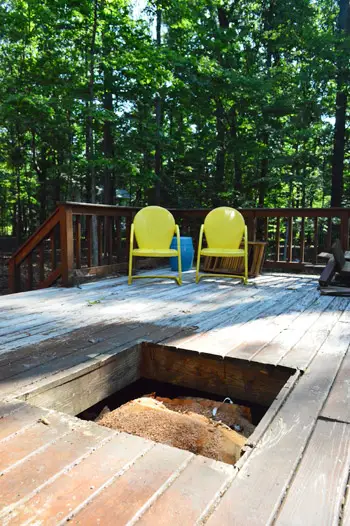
[295,472]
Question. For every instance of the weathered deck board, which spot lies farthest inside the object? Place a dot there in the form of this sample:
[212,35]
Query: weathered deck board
[75,487]
[326,314]
[19,419]
[110,339]
[230,326]
[156,467]
[265,476]
[203,479]
[71,470]
[337,406]
[346,511]
[264,348]
[22,479]
[121,302]
[289,337]
[316,494]
[35,437]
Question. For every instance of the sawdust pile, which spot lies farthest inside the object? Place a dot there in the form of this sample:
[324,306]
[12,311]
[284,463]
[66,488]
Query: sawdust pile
[185,423]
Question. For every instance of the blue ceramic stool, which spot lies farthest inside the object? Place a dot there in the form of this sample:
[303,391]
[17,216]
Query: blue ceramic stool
[187,254]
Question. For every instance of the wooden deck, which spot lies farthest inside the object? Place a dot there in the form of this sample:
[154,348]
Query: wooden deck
[56,468]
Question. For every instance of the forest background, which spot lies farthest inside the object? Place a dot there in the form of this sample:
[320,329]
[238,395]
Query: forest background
[182,103]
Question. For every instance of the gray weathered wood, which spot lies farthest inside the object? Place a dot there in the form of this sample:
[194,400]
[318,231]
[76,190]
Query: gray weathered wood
[337,406]
[259,487]
[89,384]
[316,493]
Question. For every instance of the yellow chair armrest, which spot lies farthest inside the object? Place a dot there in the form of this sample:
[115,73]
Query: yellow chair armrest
[132,233]
[200,241]
[177,232]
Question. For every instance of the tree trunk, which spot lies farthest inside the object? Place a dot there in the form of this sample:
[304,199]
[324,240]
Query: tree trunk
[19,222]
[90,154]
[264,169]
[340,113]
[108,145]
[236,155]
[338,150]
[158,109]
[220,154]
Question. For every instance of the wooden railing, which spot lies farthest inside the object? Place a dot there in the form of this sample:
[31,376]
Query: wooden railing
[81,239]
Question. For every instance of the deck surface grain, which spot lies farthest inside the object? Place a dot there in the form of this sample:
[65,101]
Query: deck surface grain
[55,468]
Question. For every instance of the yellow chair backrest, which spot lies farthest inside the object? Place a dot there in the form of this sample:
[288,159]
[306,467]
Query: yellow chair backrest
[154,227]
[224,228]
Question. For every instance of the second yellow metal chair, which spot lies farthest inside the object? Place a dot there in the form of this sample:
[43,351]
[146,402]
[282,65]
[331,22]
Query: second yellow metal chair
[224,229]
[154,228]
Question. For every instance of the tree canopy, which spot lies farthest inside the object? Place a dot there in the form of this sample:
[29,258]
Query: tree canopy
[190,104]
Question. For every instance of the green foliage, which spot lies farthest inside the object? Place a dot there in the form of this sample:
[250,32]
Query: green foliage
[246,92]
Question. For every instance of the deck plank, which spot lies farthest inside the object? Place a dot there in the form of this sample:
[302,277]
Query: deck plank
[259,487]
[289,337]
[77,486]
[110,340]
[22,479]
[137,480]
[267,348]
[337,406]
[85,312]
[305,349]
[186,499]
[37,436]
[134,487]
[346,510]
[231,324]
[316,494]
[19,419]
[260,329]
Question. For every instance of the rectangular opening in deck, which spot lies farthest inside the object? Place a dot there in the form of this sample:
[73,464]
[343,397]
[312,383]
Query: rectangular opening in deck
[162,373]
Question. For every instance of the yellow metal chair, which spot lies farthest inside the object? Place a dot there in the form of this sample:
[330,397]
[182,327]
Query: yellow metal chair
[224,230]
[154,228]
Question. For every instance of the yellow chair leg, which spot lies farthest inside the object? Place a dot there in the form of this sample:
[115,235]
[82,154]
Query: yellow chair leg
[179,264]
[200,241]
[197,267]
[179,279]
[130,269]
[245,280]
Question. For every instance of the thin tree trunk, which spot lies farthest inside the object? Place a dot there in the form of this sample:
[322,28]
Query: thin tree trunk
[220,154]
[236,155]
[264,169]
[338,150]
[90,154]
[158,109]
[108,146]
[340,113]
[19,222]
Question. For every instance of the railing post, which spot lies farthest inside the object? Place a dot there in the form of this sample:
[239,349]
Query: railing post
[315,239]
[251,223]
[14,277]
[67,248]
[127,235]
[277,240]
[302,240]
[344,229]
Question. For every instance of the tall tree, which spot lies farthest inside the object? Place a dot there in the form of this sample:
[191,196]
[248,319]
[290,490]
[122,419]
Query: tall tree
[343,79]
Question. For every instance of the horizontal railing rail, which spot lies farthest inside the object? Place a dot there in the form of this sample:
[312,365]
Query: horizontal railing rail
[81,239]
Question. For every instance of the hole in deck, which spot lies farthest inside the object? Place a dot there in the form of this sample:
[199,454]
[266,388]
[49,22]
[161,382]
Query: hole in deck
[171,396]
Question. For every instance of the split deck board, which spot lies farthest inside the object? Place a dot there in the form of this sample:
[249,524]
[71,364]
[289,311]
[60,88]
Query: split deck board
[86,471]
